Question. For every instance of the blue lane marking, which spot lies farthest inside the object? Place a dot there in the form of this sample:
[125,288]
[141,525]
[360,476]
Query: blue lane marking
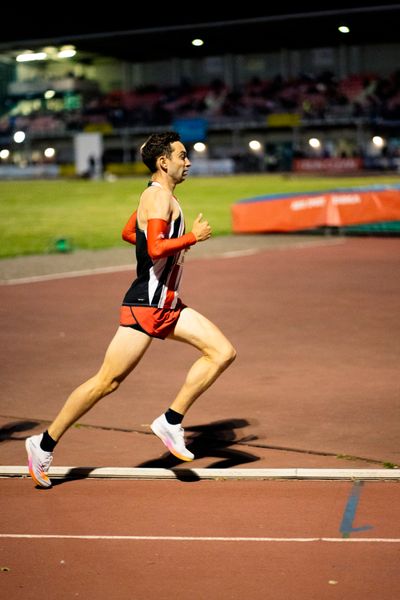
[346,527]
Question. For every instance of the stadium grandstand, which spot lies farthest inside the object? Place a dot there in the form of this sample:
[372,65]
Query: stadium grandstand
[267,90]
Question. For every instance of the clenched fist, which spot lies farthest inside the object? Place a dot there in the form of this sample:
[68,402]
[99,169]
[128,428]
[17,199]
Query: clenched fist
[201,229]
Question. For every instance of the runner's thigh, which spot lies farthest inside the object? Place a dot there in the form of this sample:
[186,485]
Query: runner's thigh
[125,351]
[195,329]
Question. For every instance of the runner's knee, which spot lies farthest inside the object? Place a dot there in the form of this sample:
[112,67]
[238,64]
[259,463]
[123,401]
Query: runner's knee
[225,355]
[112,385]
[107,385]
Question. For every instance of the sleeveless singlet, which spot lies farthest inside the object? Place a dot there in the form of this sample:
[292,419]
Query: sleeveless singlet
[157,281]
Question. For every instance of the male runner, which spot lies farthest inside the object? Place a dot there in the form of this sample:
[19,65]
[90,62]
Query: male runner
[151,309]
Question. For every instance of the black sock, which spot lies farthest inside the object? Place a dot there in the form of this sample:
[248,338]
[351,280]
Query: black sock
[173,417]
[47,443]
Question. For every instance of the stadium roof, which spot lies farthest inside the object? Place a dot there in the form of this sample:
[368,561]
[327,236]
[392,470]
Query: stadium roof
[137,39]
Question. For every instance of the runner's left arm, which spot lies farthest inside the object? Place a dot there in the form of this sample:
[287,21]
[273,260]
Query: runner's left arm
[159,245]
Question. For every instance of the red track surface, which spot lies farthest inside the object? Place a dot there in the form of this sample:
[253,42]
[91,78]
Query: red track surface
[316,377]
[192,568]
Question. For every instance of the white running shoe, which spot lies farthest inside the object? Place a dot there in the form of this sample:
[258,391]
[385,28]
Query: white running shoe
[172,436]
[39,461]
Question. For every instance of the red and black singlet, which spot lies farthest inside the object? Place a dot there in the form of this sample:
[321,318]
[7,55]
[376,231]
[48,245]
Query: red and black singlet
[158,279]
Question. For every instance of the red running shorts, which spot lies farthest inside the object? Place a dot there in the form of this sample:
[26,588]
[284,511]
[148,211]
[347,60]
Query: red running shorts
[156,322]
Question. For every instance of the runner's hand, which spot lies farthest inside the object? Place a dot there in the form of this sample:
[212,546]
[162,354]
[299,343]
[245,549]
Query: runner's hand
[201,229]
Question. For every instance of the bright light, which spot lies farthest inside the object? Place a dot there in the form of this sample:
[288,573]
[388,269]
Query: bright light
[314,143]
[199,147]
[197,42]
[255,145]
[378,141]
[49,94]
[344,29]
[66,53]
[31,56]
[67,47]
[19,137]
[49,152]
[4,154]
[50,52]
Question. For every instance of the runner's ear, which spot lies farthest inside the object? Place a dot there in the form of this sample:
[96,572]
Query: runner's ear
[163,163]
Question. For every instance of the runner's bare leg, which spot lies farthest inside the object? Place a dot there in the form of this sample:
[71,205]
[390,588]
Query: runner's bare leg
[217,354]
[123,354]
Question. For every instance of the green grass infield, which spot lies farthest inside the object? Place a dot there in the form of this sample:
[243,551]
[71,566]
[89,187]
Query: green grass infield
[91,214]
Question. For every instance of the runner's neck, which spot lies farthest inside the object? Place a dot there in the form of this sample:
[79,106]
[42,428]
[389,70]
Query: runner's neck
[158,184]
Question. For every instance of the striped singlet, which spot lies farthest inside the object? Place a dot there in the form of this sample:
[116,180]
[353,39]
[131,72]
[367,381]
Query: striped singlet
[158,280]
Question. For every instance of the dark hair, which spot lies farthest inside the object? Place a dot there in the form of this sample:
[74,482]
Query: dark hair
[158,144]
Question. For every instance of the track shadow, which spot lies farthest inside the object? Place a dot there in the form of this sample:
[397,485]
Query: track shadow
[214,439]
[74,474]
[211,440]
[9,429]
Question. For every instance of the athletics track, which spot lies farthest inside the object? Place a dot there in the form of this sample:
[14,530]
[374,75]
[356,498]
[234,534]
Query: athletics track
[315,389]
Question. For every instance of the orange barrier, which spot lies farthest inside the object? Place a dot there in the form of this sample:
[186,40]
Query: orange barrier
[304,211]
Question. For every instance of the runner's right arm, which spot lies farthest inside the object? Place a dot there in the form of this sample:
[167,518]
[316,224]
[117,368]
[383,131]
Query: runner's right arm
[129,231]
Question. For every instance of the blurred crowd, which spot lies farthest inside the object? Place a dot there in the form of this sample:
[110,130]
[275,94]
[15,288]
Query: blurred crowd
[323,97]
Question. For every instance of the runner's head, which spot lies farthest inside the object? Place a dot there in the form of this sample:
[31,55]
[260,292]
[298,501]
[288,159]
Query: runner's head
[158,144]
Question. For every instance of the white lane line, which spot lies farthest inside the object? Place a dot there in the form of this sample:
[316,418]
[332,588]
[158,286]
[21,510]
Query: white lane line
[185,538]
[68,274]
[238,253]
[132,266]
[296,245]
[182,472]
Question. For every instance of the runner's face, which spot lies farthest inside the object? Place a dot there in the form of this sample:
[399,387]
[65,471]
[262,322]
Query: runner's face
[178,163]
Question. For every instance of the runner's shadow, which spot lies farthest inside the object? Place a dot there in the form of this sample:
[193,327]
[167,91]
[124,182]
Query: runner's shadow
[74,474]
[9,429]
[212,440]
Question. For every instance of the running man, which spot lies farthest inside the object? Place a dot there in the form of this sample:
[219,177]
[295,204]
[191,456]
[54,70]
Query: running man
[151,309]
